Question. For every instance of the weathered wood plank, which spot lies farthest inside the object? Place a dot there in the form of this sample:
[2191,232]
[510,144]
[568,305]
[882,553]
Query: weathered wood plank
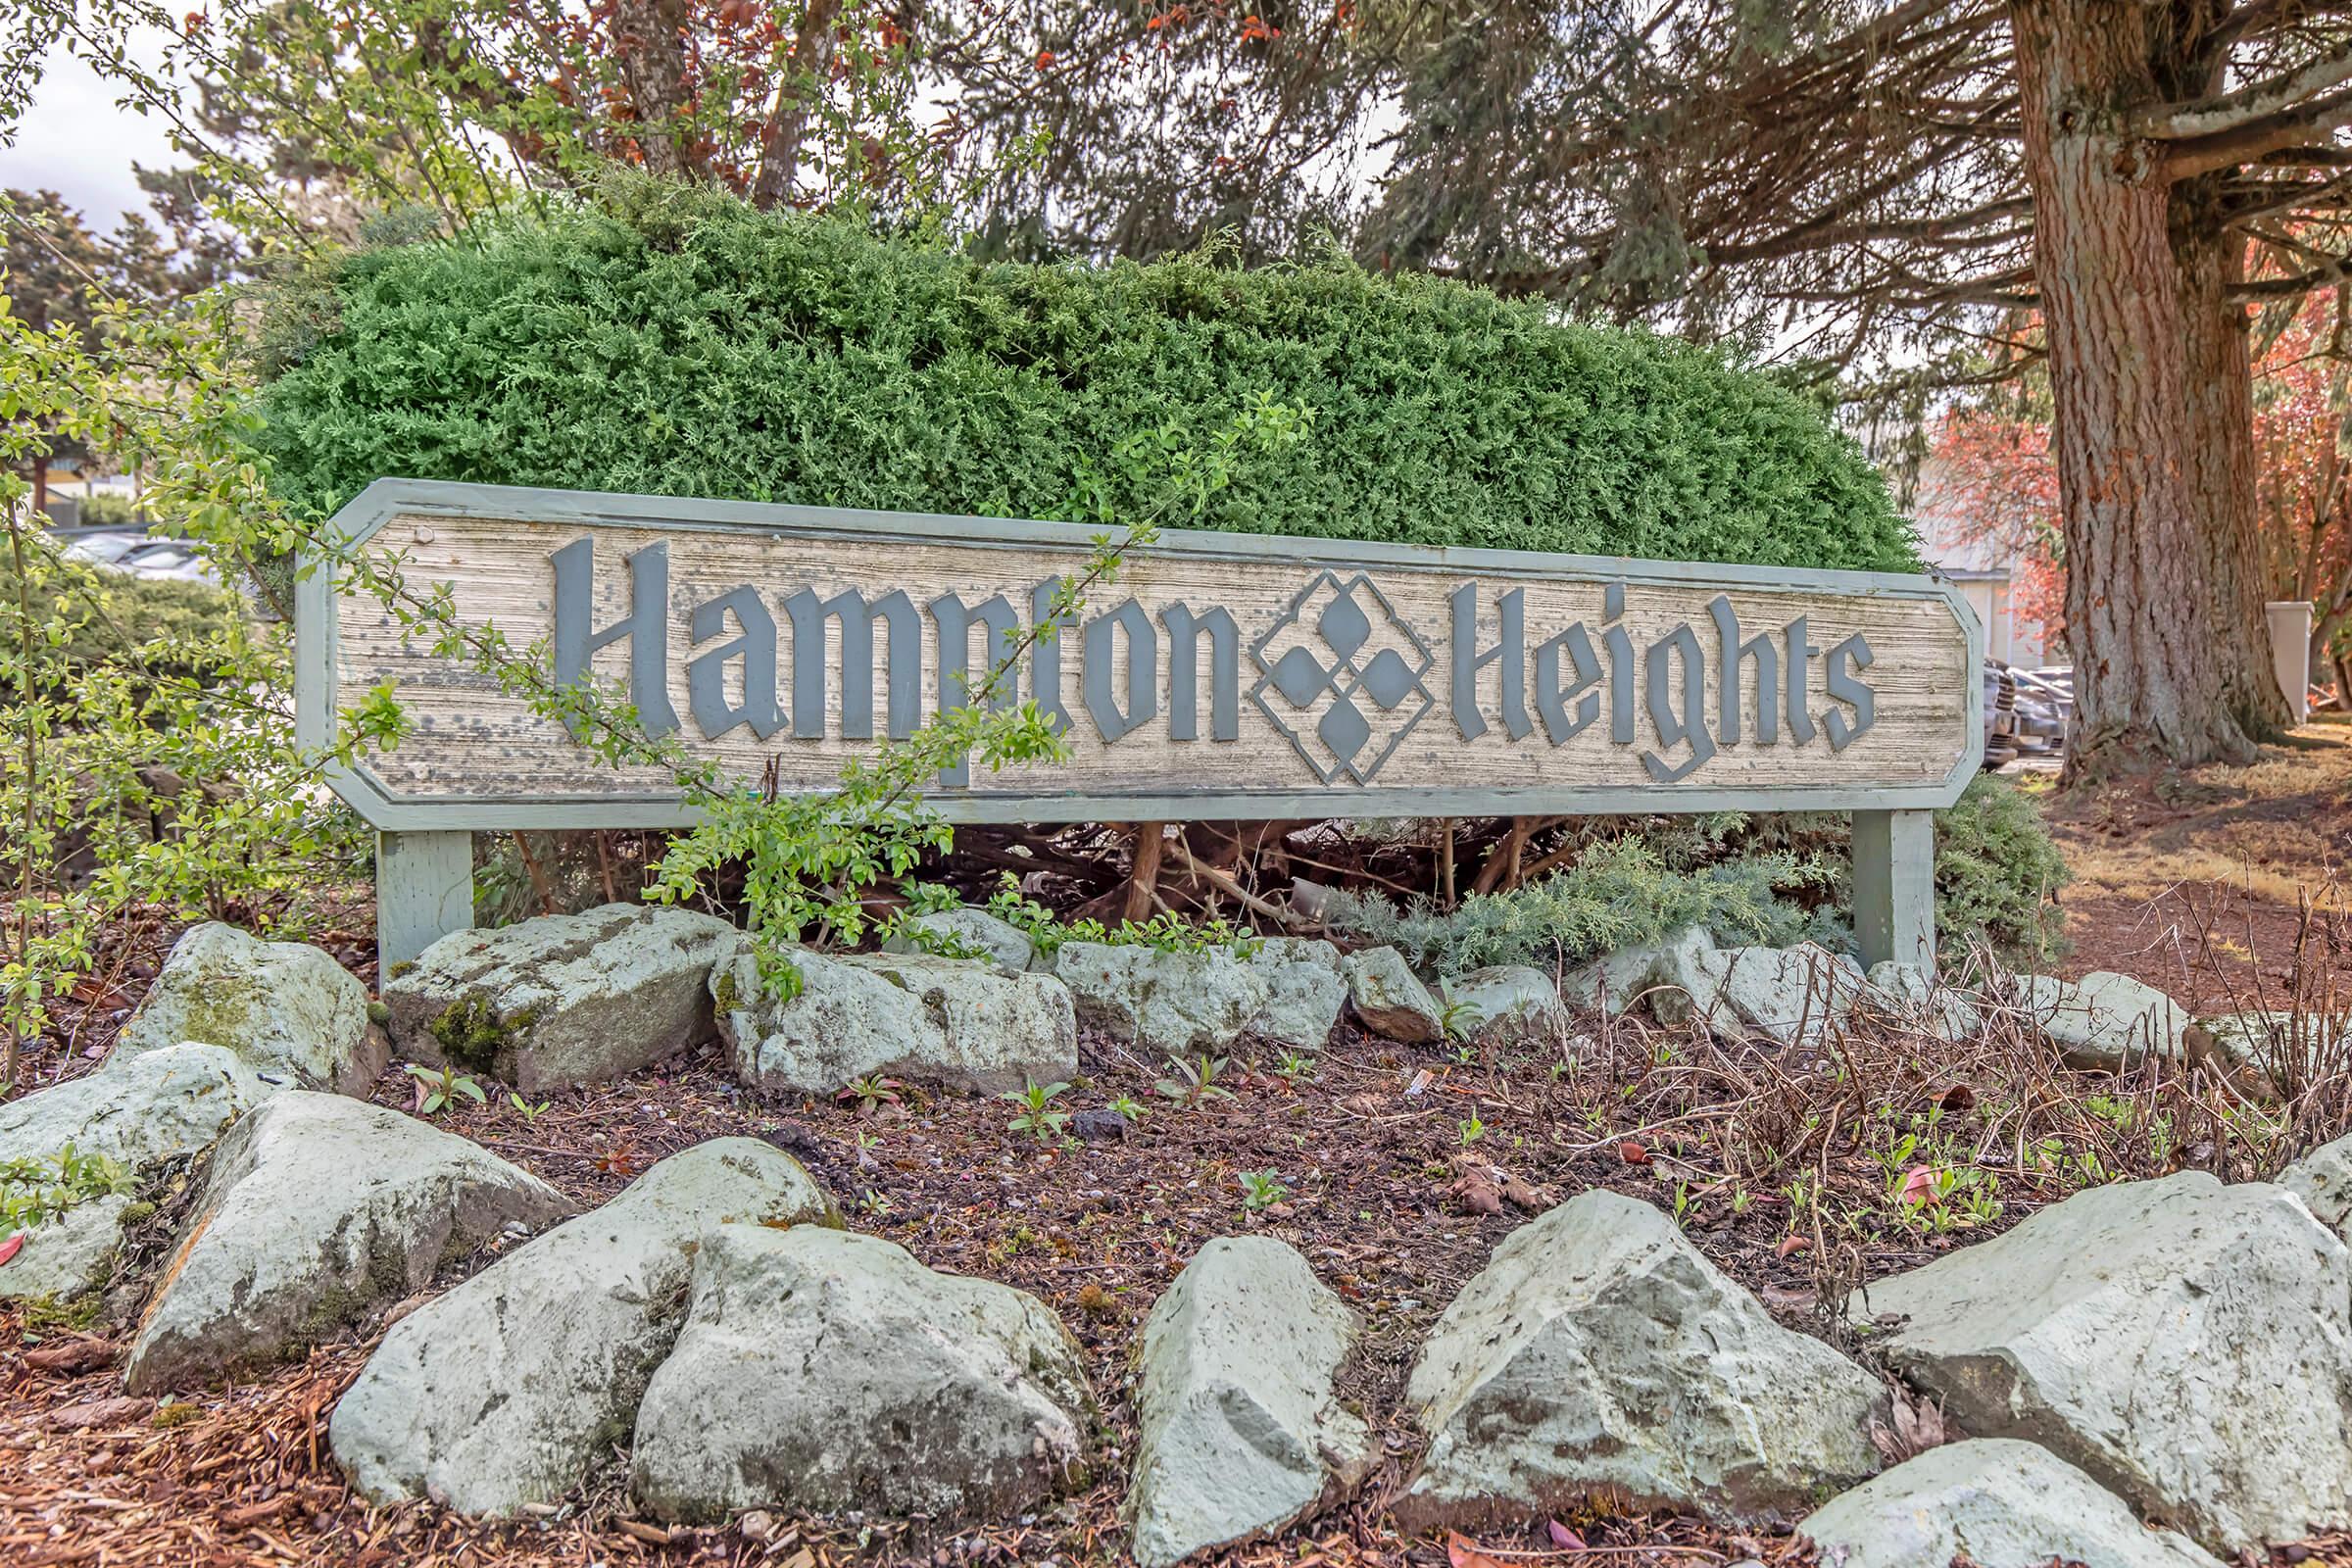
[1349,678]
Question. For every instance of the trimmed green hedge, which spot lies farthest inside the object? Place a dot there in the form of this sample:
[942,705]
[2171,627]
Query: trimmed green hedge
[680,344]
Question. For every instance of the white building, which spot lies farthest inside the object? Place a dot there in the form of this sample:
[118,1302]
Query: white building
[1985,570]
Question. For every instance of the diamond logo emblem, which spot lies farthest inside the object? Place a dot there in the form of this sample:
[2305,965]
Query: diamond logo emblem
[1342,678]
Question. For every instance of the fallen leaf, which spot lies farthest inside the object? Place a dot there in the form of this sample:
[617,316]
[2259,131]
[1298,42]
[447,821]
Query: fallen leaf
[1957,1098]
[120,1410]
[1462,1553]
[1633,1153]
[1477,1194]
[77,1354]
[12,1247]
[1563,1536]
[1792,1243]
[1919,1187]
[1913,1426]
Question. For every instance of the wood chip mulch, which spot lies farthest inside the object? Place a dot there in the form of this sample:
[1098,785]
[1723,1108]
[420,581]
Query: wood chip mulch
[1404,1168]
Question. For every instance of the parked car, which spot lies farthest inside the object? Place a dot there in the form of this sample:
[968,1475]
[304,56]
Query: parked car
[2045,707]
[167,560]
[142,555]
[104,549]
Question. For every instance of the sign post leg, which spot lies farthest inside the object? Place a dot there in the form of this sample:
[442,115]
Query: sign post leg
[1895,887]
[423,891]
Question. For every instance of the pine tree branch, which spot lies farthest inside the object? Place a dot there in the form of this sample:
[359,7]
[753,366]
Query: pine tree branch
[2306,124]
[2271,101]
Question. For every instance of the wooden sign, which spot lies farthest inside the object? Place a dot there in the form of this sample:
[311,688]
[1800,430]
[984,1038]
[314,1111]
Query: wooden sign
[1220,676]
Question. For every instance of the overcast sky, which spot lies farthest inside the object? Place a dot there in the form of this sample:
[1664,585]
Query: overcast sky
[76,142]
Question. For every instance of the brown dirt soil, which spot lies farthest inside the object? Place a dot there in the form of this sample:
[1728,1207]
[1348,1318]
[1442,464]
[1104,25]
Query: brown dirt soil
[2223,885]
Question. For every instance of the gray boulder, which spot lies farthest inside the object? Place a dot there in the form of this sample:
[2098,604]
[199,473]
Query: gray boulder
[2103,1020]
[970,934]
[1663,971]
[152,1107]
[316,1210]
[1241,1430]
[157,1105]
[824,1371]
[952,1022]
[1908,996]
[2164,1336]
[1390,999]
[68,1255]
[2259,1050]
[1787,994]
[562,1000]
[2323,1179]
[1599,1353]
[1303,992]
[284,1008]
[2000,1503]
[1174,1003]
[1508,1006]
[502,1392]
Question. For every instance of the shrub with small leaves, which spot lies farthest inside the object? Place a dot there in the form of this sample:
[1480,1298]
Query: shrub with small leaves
[33,1192]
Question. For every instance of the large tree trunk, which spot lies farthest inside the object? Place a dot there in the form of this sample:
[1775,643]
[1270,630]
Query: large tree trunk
[650,39]
[2220,451]
[2146,683]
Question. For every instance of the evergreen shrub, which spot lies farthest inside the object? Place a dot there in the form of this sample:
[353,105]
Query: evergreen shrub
[1767,880]
[673,342]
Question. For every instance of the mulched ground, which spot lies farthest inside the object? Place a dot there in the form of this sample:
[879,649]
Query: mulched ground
[1402,1169]
[2223,885]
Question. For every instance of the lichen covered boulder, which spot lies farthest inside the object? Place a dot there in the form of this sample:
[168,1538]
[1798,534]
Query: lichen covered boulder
[1172,1002]
[316,1211]
[155,1105]
[1660,971]
[1389,999]
[822,1371]
[562,1000]
[969,933]
[1242,1429]
[956,1023]
[1507,1008]
[2259,1050]
[69,1255]
[161,1103]
[1994,1502]
[284,1008]
[1787,994]
[2183,1342]
[2104,1020]
[1907,996]
[1599,1353]
[502,1392]
[1304,991]
[2323,1179]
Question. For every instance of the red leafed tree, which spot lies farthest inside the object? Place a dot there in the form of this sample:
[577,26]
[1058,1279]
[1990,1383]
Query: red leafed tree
[1991,479]
[2303,474]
